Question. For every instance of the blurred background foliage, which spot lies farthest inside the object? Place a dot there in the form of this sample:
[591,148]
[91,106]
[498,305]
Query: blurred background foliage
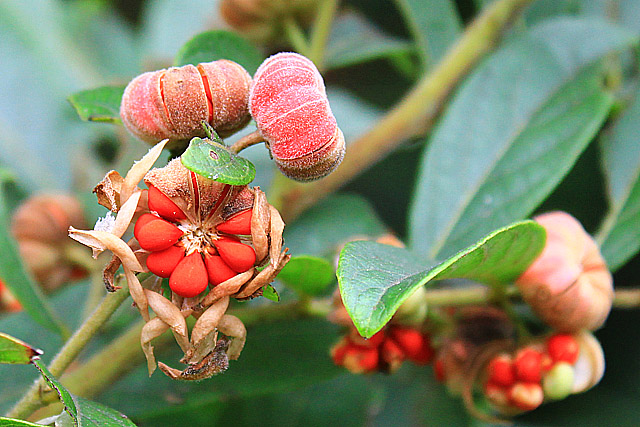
[53,48]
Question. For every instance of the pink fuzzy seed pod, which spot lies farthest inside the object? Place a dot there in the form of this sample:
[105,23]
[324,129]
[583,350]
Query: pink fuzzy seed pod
[291,110]
[173,103]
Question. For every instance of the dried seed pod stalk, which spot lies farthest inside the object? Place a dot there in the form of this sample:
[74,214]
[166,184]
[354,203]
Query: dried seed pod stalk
[40,225]
[569,285]
[173,103]
[291,110]
[262,20]
[200,234]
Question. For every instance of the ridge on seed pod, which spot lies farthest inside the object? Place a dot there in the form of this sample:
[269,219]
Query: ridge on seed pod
[172,103]
[290,106]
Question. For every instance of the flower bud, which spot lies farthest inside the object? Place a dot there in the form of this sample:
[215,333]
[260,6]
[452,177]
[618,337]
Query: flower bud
[40,227]
[291,110]
[173,103]
[568,286]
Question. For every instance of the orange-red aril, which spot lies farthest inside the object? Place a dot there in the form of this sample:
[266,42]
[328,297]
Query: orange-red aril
[189,278]
[164,262]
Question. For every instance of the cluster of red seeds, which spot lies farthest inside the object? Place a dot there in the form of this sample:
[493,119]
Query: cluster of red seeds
[190,270]
[383,352]
[518,381]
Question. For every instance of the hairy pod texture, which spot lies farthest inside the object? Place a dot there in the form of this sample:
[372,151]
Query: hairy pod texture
[569,285]
[173,103]
[290,106]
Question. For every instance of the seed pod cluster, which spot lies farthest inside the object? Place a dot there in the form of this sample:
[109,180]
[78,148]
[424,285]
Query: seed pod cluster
[383,352]
[290,106]
[544,370]
[173,103]
[40,226]
[569,285]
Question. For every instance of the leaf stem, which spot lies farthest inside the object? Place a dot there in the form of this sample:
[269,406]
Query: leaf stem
[321,30]
[414,114]
[247,141]
[32,400]
[296,35]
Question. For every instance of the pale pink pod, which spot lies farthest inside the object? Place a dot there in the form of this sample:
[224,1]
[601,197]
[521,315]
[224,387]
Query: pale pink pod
[291,110]
[569,285]
[173,103]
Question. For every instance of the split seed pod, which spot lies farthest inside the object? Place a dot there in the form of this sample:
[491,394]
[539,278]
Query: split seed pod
[290,106]
[173,103]
[568,286]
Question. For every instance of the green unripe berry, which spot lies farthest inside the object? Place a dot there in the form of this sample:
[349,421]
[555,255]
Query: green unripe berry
[557,383]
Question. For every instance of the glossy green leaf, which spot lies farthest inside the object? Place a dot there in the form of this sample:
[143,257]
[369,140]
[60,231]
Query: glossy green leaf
[321,230]
[620,234]
[214,161]
[376,279]
[528,112]
[13,350]
[308,275]
[11,422]
[434,32]
[98,105]
[345,47]
[19,282]
[213,45]
[83,412]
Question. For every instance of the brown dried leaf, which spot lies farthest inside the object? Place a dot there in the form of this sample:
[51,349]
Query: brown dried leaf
[108,190]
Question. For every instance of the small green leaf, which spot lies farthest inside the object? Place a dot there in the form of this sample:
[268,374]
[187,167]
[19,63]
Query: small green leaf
[213,45]
[376,279]
[84,413]
[12,350]
[11,422]
[269,292]
[214,161]
[98,105]
[308,275]
[19,282]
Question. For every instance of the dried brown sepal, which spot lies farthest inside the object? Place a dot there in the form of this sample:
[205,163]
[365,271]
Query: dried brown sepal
[137,293]
[152,329]
[171,315]
[108,190]
[203,334]
[260,224]
[233,327]
[214,363]
[229,287]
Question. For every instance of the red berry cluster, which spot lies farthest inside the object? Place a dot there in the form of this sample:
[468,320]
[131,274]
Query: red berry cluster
[192,256]
[522,381]
[383,352]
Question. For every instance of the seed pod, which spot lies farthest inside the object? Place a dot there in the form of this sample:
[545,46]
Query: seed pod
[40,226]
[291,110]
[568,285]
[173,103]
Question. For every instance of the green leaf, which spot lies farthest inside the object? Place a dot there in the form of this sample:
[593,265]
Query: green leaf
[376,279]
[213,45]
[434,32]
[307,274]
[528,112]
[620,233]
[270,293]
[19,282]
[98,105]
[84,413]
[11,422]
[345,47]
[12,350]
[216,162]
[322,229]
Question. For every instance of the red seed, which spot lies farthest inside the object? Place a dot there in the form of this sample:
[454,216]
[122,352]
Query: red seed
[563,348]
[217,270]
[501,370]
[157,235]
[526,396]
[412,343]
[142,221]
[528,365]
[164,262]
[496,394]
[237,255]
[237,224]
[190,276]
[439,370]
[163,205]
[391,353]
[376,340]
[360,359]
